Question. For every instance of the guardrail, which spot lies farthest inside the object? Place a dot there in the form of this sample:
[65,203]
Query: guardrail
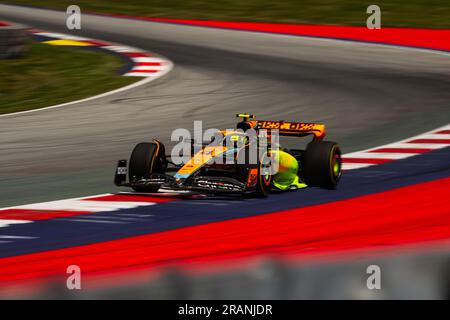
[13,40]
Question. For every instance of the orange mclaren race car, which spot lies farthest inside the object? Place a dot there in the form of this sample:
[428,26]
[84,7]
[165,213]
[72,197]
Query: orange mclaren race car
[245,160]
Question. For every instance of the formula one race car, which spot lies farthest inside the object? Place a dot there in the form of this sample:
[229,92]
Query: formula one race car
[246,160]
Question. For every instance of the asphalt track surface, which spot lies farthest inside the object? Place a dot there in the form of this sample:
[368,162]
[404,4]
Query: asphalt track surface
[366,94]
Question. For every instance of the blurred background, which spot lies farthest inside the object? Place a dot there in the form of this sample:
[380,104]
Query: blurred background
[396,13]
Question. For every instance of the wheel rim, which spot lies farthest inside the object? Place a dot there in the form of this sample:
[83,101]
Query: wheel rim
[337,165]
[267,179]
[336,168]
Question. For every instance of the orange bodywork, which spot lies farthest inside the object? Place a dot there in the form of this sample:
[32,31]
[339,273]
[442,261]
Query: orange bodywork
[200,158]
[291,128]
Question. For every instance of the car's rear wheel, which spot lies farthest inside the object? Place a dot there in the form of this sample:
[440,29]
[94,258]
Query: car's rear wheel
[322,164]
[146,158]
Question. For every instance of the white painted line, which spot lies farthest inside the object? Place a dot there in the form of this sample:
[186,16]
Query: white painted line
[435,136]
[353,166]
[6,223]
[121,49]
[149,59]
[78,198]
[378,155]
[16,237]
[404,145]
[143,74]
[85,205]
[61,36]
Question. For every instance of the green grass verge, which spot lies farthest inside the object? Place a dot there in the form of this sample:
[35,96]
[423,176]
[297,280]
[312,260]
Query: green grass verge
[395,13]
[50,75]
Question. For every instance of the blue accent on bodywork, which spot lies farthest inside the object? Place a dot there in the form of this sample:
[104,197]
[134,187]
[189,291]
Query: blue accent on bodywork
[181,176]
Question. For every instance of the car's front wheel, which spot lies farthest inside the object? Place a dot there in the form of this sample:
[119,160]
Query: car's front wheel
[146,158]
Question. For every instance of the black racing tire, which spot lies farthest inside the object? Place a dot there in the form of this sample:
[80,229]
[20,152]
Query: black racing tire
[322,164]
[146,158]
[264,182]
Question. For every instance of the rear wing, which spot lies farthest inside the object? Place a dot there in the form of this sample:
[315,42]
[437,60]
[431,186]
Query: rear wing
[285,128]
[293,129]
